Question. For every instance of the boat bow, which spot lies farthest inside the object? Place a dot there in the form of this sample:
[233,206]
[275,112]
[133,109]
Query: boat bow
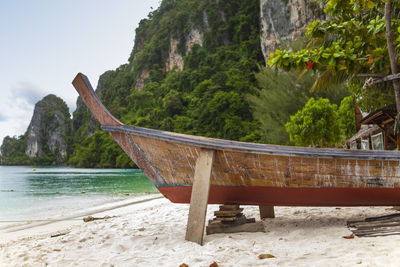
[85,90]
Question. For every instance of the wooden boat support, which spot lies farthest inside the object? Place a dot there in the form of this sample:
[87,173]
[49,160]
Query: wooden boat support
[194,169]
[199,197]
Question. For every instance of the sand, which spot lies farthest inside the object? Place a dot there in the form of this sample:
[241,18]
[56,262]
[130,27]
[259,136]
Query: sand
[151,233]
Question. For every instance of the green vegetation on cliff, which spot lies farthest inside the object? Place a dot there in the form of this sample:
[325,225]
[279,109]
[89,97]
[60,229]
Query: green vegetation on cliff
[13,151]
[100,150]
[207,97]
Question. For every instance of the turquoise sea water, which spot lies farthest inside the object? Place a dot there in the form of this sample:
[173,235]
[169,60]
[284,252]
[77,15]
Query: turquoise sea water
[27,194]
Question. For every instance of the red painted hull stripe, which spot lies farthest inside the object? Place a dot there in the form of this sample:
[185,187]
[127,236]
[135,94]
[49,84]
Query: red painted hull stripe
[258,195]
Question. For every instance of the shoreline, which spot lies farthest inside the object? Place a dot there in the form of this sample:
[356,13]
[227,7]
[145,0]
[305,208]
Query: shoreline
[152,232]
[23,228]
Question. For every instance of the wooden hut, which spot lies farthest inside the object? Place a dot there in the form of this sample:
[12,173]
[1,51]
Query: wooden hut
[375,130]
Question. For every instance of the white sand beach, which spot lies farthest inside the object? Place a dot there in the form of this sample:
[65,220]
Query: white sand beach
[151,233]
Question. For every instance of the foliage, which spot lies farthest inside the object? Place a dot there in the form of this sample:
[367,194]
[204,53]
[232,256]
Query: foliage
[208,96]
[100,151]
[350,42]
[279,97]
[347,117]
[316,124]
[373,97]
[320,123]
[13,151]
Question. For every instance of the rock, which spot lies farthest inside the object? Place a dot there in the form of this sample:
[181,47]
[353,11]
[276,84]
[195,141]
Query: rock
[174,57]
[266,256]
[144,74]
[88,219]
[49,130]
[285,20]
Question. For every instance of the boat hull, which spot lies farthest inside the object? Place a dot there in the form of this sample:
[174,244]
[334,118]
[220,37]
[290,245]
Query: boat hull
[248,178]
[272,196]
[254,174]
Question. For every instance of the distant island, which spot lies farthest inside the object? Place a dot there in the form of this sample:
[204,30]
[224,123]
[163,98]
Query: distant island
[50,139]
[47,140]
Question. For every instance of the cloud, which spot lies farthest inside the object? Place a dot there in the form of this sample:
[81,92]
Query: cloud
[16,108]
[27,92]
[2,117]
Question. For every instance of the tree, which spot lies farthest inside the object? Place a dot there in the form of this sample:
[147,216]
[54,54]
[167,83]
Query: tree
[280,96]
[100,151]
[393,57]
[346,117]
[356,41]
[317,124]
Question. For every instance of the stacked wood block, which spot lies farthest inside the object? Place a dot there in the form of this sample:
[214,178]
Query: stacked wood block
[230,219]
[376,226]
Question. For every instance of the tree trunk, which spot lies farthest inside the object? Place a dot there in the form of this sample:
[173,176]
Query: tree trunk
[392,53]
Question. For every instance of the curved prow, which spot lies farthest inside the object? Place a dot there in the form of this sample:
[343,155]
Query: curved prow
[85,90]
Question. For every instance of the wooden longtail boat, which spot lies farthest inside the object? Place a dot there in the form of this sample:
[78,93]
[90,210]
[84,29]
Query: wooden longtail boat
[222,171]
[254,174]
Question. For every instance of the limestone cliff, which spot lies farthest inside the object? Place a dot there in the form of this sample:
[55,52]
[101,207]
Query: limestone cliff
[49,131]
[175,59]
[280,21]
[285,20]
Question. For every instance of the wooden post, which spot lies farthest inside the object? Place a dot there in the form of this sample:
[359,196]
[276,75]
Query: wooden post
[199,197]
[385,137]
[398,141]
[266,212]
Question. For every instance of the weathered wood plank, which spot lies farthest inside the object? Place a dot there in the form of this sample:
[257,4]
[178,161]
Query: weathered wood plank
[384,217]
[227,212]
[375,223]
[229,219]
[199,197]
[376,226]
[378,231]
[368,221]
[227,207]
[225,228]
[266,212]
[239,220]
[250,220]
[247,220]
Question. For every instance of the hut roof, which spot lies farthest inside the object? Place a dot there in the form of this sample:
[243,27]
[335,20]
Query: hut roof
[364,132]
[381,116]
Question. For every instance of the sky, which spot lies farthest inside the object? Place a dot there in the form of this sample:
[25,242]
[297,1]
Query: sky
[45,43]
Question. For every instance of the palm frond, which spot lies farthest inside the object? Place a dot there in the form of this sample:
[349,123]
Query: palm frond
[328,79]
